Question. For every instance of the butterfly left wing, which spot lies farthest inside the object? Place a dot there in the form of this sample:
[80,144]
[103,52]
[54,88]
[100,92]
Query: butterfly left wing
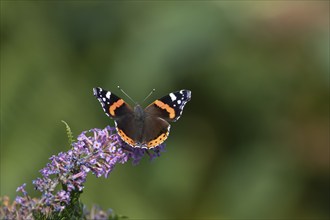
[112,105]
[117,109]
[169,107]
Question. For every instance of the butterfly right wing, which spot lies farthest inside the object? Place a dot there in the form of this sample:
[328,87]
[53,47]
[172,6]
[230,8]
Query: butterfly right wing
[112,105]
[170,107]
[156,131]
[158,115]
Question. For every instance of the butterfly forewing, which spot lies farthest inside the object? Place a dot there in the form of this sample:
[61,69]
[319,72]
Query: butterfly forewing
[170,107]
[112,105]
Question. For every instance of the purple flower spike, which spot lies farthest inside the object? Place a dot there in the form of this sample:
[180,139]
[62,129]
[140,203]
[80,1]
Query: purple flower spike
[97,151]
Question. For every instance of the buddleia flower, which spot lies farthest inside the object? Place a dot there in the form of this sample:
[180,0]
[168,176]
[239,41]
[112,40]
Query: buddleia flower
[62,179]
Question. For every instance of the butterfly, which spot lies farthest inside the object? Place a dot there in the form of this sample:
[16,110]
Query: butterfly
[143,128]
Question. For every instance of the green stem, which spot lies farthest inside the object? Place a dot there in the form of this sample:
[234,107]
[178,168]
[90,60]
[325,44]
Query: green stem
[74,210]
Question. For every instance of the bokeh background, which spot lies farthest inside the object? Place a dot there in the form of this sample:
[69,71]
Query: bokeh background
[252,143]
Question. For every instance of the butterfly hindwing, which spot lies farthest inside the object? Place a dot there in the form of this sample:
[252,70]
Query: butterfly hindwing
[128,129]
[156,131]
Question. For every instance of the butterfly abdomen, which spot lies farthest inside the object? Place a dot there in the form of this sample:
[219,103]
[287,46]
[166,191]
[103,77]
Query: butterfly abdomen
[139,117]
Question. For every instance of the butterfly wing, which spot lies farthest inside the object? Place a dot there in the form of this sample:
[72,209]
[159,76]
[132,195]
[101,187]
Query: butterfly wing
[156,131]
[158,115]
[112,105]
[123,114]
[169,107]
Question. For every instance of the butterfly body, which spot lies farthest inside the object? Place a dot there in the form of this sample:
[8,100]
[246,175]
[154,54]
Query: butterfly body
[143,128]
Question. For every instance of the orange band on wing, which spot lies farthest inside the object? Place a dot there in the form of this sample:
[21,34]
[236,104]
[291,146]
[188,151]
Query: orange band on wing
[159,140]
[162,105]
[125,138]
[114,106]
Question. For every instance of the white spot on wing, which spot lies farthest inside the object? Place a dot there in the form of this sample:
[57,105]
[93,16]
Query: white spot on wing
[108,95]
[179,102]
[173,97]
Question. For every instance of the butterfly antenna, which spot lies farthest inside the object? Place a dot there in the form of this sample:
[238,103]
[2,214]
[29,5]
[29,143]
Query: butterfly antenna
[152,91]
[126,94]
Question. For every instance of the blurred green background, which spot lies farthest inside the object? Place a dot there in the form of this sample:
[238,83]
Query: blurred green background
[252,143]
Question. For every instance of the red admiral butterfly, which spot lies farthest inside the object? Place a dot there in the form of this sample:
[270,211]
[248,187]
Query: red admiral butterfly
[143,128]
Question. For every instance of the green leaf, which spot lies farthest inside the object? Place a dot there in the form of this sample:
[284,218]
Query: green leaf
[69,133]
